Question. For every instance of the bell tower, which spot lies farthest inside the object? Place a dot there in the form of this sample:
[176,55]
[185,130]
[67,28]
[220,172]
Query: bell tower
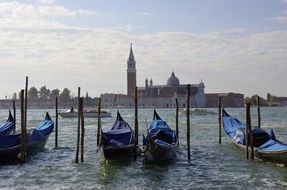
[131,74]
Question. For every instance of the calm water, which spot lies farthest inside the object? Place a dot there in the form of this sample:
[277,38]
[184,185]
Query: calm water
[211,166]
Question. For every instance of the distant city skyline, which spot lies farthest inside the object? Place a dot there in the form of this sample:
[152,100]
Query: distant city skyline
[233,46]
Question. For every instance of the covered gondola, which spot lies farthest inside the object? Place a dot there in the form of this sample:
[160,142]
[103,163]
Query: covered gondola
[161,142]
[10,145]
[266,146]
[119,142]
[8,127]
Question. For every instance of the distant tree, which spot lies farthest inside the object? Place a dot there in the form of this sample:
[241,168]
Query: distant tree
[33,93]
[269,97]
[273,100]
[246,99]
[14,96]
[44,93]
[54,93]
[65,95]
[88,100]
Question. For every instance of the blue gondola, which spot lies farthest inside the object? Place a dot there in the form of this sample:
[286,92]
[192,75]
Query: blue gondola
[161,142]
[8,127]
[119,142]
[10,145]
[266,146]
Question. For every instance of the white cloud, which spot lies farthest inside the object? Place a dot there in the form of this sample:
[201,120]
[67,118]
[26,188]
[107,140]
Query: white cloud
[87,13]
[284,1]
[48,2]
[281,19]
[144,14]
[12,10]
[55,11]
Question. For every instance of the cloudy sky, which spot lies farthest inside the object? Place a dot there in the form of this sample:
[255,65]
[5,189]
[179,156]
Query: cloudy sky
[232,45]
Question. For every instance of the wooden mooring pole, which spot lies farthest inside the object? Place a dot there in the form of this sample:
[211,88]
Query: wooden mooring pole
[176,118]
[82,127]
[136,123]
[14,115]
[249,129]
[247,137]
[79,129]
[56,127]
[25,105]
[188,121]
[99,122]
[136,117]
[219,118]
[258,111]
[23,130]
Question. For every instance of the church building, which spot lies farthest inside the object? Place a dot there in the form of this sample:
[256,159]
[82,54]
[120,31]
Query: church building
[150,95]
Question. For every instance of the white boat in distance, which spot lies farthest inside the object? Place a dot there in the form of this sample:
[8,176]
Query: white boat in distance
[91,113]
[199,111]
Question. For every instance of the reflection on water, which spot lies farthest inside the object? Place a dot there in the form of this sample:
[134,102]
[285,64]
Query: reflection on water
[211,165]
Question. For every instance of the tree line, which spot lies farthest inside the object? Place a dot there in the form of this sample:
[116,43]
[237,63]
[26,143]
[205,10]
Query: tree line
[45,94]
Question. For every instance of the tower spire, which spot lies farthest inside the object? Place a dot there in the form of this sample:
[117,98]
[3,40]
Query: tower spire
[131,73]
[131,56]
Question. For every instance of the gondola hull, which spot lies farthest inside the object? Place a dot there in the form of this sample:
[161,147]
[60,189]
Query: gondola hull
[279,157]
[12,154]
[10,145]
[157,153]
[270,150]
[119,142]
[9,126]
[161,142]
[119,153]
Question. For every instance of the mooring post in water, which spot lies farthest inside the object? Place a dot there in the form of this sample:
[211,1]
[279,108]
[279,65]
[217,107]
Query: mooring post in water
[56,122]
[247,137]
[136,123]
[249,128]
[25,105]
[99,122]
[79,129]
[176,118]
[14,115]
[258,111]
[136,117]
[82,128]
[23,130]
[219,118]
[188,121]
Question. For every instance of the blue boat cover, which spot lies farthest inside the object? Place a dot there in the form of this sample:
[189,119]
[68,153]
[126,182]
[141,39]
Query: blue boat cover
[161,132]
[42,130]
[262,140]
[8,126]
[120,134]
[40,133]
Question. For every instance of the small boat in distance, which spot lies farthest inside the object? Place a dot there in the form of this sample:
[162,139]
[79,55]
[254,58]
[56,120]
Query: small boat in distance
[91,113]
[266,146]
[161,142]
[198,111]
[8,127]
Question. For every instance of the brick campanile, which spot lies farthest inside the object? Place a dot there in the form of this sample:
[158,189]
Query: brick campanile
[131,74]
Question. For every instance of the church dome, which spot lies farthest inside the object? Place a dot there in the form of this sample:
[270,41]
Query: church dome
[172,80]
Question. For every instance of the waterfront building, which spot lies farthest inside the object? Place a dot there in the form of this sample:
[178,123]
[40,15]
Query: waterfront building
[150,95]
[228,99]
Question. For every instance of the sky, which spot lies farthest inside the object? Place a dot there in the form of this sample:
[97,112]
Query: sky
[231,45]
